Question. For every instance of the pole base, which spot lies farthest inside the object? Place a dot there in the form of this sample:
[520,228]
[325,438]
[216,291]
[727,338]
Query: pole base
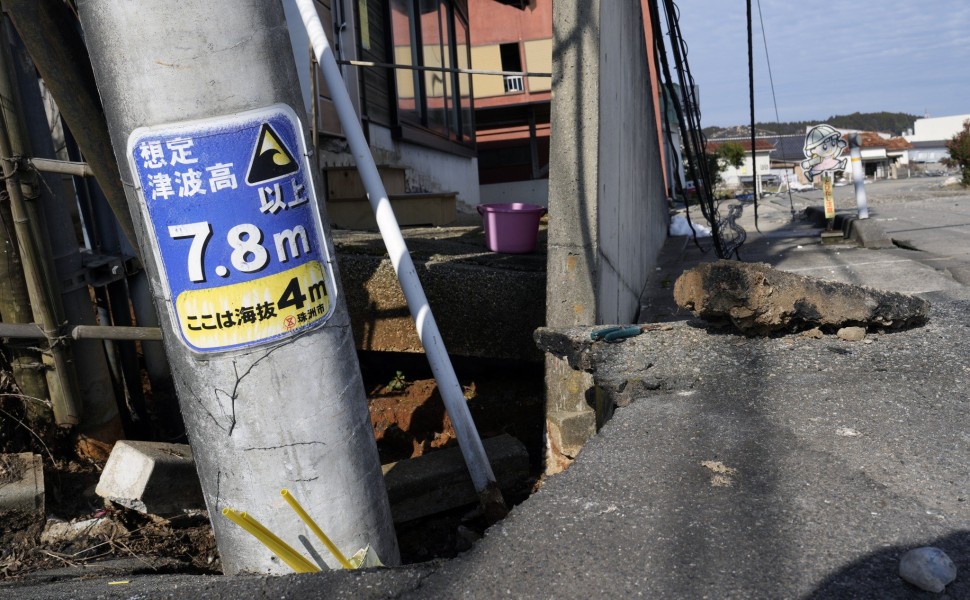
[832,237]
[493,504]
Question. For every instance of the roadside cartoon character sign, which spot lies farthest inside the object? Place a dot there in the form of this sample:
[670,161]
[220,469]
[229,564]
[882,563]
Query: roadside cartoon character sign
[823,146]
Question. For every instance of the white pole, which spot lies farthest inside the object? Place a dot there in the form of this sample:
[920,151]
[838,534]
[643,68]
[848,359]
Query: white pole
[451,392]
[858,176]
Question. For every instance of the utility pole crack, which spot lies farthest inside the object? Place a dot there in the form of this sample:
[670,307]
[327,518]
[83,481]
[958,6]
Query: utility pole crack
[284,446]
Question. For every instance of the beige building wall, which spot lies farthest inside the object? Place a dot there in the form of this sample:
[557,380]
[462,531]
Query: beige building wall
[490,59]
[405,77]
[538,59]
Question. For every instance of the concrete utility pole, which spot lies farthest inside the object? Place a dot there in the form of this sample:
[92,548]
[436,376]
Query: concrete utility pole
[202,101]
[607,206]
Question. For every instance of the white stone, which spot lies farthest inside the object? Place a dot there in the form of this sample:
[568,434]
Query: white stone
[852,334]
[927,568]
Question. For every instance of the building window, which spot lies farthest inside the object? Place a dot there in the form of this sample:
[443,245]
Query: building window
[512,61]
[432,33]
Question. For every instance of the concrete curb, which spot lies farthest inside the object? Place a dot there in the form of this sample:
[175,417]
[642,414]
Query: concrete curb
[866,232]
[21,489]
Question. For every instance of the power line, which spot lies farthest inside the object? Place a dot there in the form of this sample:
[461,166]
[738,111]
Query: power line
[774,99]
[771,79]
[689,122]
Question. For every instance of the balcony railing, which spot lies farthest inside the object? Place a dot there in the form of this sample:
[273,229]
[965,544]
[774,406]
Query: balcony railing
[514,83]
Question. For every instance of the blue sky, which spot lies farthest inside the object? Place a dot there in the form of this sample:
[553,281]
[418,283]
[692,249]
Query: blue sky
[830,59]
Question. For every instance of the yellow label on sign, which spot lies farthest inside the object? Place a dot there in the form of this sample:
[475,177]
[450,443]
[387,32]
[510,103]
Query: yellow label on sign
[829,199]
[255,310]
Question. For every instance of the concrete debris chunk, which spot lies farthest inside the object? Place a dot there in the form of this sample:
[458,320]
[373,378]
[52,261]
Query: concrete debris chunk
[758,299]
[151,477]
[852,334]
[61,532]
[927,568]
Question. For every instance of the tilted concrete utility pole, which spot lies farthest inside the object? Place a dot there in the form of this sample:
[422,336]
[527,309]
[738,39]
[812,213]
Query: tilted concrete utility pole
[202,101]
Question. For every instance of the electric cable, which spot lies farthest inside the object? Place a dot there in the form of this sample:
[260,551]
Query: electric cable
[688,117]
[722,226]
[670,96]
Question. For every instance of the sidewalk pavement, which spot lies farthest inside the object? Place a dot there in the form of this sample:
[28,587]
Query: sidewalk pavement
[783,467]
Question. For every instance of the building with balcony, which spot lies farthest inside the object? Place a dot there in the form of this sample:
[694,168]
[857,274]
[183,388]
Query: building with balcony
[512,111]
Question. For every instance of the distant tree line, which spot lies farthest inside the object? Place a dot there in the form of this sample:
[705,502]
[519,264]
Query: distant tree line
[886,122]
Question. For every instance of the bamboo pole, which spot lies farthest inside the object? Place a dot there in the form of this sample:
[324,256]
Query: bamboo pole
[63,384]
[25,362]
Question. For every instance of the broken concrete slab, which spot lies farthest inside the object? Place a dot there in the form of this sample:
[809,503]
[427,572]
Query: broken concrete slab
[152,477]
[21,492]
[439,481]
[758,299]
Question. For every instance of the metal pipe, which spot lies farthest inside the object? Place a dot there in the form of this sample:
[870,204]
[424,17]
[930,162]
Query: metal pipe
[63,167]
[25,331]
[460,71]
[113,332]
[314,107]
[451,392]
[83,332]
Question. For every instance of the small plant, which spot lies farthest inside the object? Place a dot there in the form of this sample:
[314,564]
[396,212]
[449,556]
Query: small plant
[959,148]
[397,383]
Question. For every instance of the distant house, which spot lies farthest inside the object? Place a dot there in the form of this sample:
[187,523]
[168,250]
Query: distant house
[881,153]
[786,160]
[928,154]
[929,137]
[737,178]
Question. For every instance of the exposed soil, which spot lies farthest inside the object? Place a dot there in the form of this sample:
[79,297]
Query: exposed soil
[409,420]
[412,421]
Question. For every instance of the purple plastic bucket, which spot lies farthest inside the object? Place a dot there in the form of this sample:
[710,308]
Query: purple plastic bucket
[511,228]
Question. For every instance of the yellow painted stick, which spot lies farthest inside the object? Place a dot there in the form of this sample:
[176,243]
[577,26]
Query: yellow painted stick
[287,554]
[309,566]
[315,529]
